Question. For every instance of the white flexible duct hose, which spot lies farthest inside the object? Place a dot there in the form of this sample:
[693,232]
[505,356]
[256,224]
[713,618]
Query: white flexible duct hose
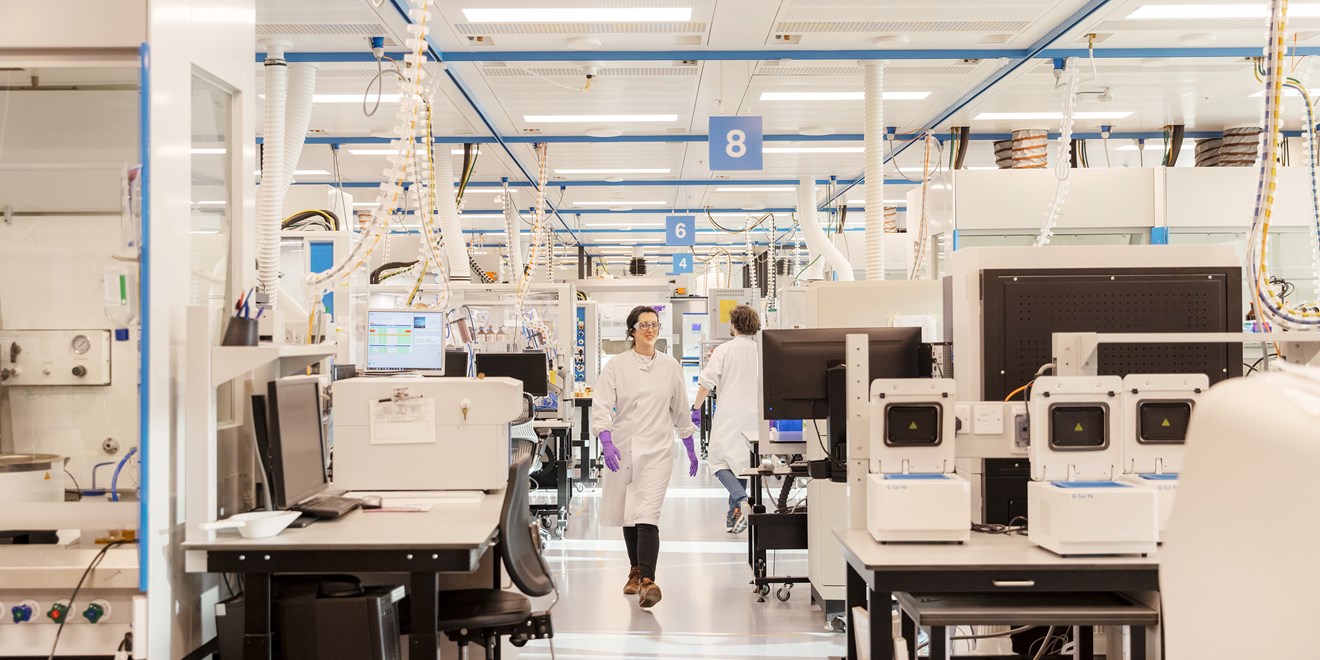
[450,228]
[874,136]
[1062,163]
[819,247]
[297,116]
[514,232]
[270,199]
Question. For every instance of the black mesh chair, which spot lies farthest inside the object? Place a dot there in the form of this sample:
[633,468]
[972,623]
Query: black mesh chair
[485,615]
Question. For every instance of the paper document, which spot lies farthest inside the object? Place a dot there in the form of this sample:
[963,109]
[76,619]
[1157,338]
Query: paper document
[406,422]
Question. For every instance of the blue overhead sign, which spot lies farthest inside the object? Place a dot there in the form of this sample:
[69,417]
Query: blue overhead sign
[682,264]
[680,230]
[735,143]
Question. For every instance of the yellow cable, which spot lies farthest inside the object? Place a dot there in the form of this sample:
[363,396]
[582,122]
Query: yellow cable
[1015,392]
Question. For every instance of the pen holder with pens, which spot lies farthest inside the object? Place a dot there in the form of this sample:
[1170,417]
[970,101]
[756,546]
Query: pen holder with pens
[240,332]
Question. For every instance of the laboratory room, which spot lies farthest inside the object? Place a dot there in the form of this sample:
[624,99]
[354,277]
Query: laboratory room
[659,329]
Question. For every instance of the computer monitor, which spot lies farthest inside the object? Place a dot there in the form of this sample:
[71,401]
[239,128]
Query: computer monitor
[530,368]
[405,340]
[297,445]
[456,363]
[794,365]
[1024,307]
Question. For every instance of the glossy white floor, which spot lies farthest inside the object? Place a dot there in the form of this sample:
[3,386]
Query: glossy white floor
[708,611]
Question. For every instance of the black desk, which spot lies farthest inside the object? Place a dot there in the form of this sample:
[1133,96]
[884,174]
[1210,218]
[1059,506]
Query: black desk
[450,538]
[987,563]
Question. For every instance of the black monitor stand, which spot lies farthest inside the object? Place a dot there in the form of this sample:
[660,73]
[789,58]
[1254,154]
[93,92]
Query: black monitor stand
[835,467]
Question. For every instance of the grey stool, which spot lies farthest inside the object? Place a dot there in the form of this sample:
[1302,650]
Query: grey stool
[1082,610]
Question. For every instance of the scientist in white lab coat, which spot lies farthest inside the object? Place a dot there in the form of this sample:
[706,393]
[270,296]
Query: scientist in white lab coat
[640,402]
[734,372]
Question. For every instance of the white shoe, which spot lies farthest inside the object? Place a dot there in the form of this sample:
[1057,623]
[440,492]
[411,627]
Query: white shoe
[740,518]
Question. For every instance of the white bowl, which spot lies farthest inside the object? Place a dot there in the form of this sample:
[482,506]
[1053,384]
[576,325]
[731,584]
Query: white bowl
[256,524]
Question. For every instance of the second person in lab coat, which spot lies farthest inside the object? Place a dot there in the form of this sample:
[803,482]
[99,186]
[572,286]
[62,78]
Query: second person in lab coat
[640,402]
[733,371]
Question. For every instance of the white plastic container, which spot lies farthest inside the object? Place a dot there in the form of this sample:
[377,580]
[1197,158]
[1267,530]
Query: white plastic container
[31,478]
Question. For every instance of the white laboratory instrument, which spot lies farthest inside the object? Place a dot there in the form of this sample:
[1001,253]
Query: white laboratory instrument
[720,302]
[1156,411]
[414,433]
[1075,503]
[912,493]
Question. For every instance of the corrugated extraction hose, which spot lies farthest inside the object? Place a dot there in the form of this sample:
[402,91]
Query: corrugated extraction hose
[819,247]
[450,227]
[297,117]
[874,136]
[270,200]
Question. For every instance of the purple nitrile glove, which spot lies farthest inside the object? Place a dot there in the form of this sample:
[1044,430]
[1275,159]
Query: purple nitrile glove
[609,452]
[692,456]
[696,417]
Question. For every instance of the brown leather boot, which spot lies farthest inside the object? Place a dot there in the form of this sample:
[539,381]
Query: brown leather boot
[649,593]
[634,581]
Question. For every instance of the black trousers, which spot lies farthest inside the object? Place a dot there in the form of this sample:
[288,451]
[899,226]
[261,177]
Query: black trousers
[643,543]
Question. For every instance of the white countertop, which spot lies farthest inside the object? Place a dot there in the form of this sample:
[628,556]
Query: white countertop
[446,526]
[40,566]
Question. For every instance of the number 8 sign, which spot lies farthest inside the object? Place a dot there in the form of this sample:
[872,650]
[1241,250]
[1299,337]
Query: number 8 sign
[735,143]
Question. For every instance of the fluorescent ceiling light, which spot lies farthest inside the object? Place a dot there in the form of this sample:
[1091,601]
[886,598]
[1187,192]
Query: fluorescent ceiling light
[597,119]
[209,203]
[1044,116]
[578,14]
[459,152]
[299,172]
[812,150]
[199,151]
[615,170]
[840,96]
[1218,11]
[755,189]
[887,201]
[619,203]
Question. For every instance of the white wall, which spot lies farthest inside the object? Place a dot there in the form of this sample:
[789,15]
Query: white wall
[217,37]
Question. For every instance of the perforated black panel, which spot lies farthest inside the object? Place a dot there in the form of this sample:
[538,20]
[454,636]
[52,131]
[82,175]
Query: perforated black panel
[1023,307]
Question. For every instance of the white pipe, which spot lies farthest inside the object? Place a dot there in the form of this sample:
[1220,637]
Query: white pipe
[270,200]
[819,248]
[297,117]
[513,229]
[874,135]
[450,228]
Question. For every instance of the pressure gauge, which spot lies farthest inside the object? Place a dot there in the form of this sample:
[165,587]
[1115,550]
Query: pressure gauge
[81,344]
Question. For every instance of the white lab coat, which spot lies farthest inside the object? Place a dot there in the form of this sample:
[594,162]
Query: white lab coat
[642,402]
[734,373]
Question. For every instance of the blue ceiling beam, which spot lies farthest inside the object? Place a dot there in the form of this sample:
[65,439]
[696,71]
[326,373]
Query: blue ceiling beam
[732,183]
[366,57]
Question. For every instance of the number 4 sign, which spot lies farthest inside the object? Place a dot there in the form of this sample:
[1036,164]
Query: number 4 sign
[682,264]
[735,143]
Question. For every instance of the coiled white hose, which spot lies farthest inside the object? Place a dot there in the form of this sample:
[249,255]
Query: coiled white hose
[514,232]
[874,144]
[297,117]
[1062,163]
[270,200]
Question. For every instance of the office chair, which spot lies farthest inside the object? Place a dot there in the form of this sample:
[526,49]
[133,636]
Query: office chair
[485,615]
[1237,570]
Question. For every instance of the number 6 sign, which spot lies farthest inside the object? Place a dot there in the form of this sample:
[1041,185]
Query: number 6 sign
[735,143]
[680,230]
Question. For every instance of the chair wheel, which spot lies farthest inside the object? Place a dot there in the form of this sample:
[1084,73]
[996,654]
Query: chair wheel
[518,642]
[764,590]
[783,594]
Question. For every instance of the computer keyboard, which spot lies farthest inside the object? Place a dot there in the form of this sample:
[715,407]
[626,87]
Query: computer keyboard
[327,506]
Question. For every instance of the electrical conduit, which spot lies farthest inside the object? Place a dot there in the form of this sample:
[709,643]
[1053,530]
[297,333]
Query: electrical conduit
[874,143]
[270,197]
[819,247]
[450,228]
